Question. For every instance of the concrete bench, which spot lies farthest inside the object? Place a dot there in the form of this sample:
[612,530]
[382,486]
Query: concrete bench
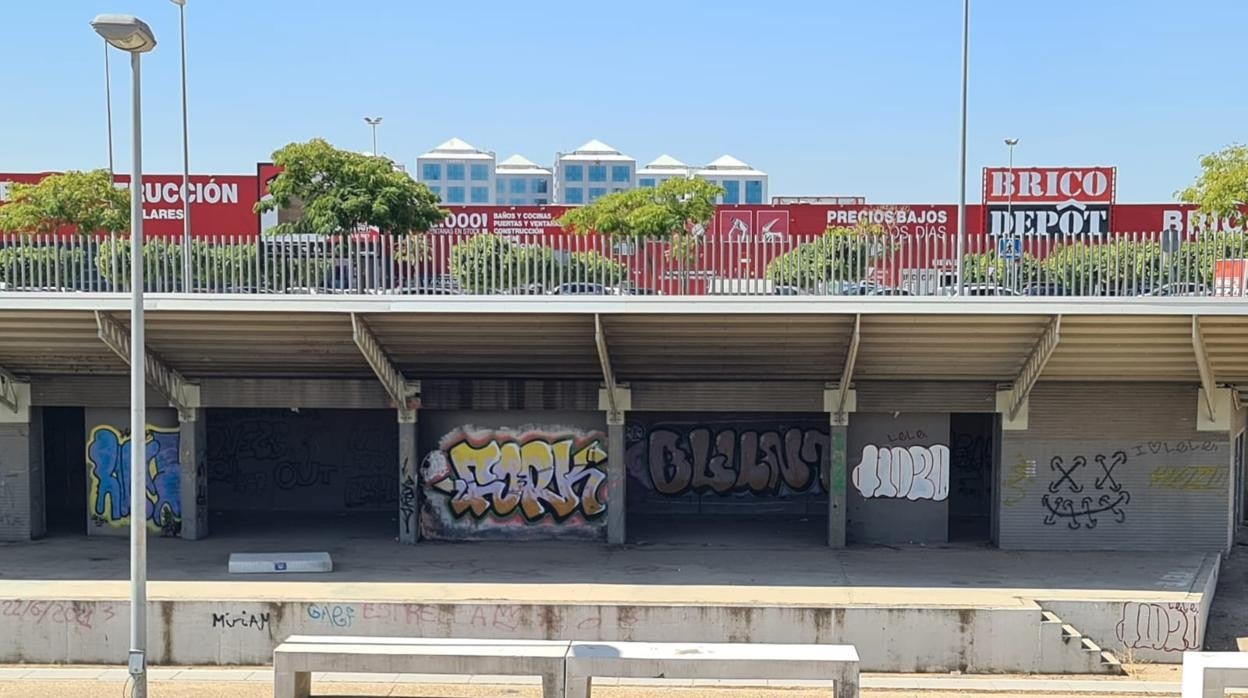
[299,655]
[1208,674]
[670,660]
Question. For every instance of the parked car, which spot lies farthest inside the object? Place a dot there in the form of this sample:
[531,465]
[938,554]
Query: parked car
[788,291]
[580,288]
[634,291]
[1181,288]
[983,290]
[1044,289]
[888,291]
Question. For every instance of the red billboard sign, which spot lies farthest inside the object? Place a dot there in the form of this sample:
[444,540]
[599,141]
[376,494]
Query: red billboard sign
[503,220]
[219,204]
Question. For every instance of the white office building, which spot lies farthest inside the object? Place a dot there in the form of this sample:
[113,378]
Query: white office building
[519,181]
[742,184]
[458,173]
[592,171]
[662,168]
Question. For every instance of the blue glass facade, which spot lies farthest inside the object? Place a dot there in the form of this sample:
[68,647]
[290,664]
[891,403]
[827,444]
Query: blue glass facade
[431,172]
[479,195]
[573,195]
[732,191]
[596,193]
[455,195]
[574,173]
[597,173]
[455,171]
[621,173]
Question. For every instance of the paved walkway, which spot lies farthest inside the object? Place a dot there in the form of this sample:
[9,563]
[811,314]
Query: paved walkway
[12,679]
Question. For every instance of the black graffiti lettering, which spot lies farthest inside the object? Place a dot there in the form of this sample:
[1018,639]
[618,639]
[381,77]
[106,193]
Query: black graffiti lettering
[1107,497]
[1057,464]
[245,620]
[407,501]
[725,462]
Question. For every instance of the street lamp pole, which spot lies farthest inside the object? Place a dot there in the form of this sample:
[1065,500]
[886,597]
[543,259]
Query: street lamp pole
[186,158]
[373,122]
[132,35]
[1010,231]
[108,109]
[966,25]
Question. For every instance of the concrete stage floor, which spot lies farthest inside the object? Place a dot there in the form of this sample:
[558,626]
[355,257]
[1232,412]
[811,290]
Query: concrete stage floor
[725,569]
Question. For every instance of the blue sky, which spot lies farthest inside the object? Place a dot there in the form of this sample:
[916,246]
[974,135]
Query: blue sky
[828,97]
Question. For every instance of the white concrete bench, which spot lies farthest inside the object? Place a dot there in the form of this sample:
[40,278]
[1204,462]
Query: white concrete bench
[299,655]
[670,660]
[1208,674]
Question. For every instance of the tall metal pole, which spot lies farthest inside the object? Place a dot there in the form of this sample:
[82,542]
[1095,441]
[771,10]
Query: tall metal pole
[375,153]
[108,108]
[966,25]
[186,164]
[138,410]
[1009,215]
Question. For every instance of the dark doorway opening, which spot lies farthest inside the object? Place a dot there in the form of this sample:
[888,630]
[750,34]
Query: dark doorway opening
[972,453]
[282,471]
[65,470]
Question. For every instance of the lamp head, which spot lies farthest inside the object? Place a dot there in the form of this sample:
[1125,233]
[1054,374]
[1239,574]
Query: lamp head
[1011,142]
[125,32]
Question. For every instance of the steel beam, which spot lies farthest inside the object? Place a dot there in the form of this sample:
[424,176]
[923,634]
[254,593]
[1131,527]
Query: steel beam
[1202,365]
[614,414]
[173,386]
[404,393]
[847,371]
[1030,372]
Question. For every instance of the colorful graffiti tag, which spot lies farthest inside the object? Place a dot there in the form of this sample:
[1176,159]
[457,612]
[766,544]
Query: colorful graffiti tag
[533,481]
[108,478]
[678,460]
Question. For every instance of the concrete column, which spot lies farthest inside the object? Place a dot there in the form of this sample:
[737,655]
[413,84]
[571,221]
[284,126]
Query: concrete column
[22,511]
[617,482]
[409,479]
[837,480]
[192,473]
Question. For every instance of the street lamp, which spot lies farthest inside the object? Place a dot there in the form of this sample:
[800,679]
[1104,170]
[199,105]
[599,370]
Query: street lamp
[1010,232]
[966,25]
[132,35]
[186,158]
[373,122]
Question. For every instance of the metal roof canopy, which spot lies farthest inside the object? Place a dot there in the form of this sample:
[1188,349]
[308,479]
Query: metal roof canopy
[713,339]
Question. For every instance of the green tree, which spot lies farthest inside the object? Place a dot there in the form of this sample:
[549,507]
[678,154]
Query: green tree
[1221,189]
[341,191]
[82,202]
[673,208]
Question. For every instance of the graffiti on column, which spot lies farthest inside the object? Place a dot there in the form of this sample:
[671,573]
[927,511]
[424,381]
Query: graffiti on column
[914,473]
[676,460]
[1084,490]
[506,483]
[108,479]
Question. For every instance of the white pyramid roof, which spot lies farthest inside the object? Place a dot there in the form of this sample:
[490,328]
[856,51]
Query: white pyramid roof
[518,164]
[665,161]
[458,149]
[596,151]
[727,165]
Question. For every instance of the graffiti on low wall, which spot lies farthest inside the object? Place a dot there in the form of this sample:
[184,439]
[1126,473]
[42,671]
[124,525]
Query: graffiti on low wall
[1170,627]
[535,481]
[917,472]
[108,479]
[728,459]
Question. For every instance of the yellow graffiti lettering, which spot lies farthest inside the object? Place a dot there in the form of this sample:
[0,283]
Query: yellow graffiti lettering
[540,479]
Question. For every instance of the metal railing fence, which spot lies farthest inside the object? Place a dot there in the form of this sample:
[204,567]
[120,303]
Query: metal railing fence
[832,264]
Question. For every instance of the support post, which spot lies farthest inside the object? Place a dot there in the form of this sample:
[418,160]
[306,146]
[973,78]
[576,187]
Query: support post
[192,472]
[617,482]
[838,404]
[409,479]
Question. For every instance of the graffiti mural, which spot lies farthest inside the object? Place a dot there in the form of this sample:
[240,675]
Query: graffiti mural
[726,460]
[917,472]
[108,479]
[536,481]
[1171,627]
[1070,499]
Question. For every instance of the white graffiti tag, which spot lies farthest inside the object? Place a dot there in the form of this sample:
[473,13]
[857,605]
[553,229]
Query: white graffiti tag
[917,472]
[1172,627]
